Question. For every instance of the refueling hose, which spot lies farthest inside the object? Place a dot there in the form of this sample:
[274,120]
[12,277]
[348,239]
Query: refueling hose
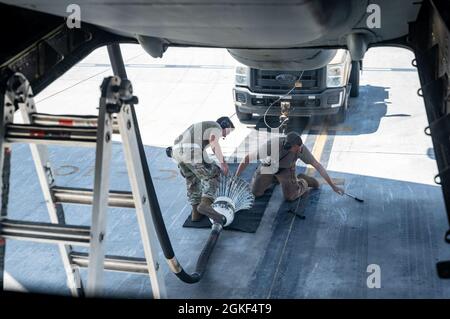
[160,227]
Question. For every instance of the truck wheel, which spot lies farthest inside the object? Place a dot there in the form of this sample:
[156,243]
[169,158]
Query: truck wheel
[354,79]
[243,116]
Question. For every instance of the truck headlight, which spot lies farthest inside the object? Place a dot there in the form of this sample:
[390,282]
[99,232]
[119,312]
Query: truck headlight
[335,75]
[242,75]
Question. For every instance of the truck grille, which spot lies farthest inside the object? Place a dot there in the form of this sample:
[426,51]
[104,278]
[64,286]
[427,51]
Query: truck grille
[264,81]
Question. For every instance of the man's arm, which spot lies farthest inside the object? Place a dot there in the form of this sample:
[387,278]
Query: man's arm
[323,172]
[250,157]
[243,164]
[215,146]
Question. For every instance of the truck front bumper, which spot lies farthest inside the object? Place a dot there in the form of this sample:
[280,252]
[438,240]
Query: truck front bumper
[324,103]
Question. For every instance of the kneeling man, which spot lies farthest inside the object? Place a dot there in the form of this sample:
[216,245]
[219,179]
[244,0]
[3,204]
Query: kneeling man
[278,157]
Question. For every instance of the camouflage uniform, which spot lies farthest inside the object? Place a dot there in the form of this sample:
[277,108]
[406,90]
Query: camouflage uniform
[201,180]
[200,172]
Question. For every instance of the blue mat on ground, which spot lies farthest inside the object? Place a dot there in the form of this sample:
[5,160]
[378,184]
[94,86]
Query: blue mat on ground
[246,220]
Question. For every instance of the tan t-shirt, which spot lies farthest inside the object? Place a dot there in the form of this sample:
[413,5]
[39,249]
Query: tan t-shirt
[274,157]
[190,146]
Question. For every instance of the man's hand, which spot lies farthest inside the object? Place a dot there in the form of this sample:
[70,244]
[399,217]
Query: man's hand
[323,172]
[224,167]
[338,190]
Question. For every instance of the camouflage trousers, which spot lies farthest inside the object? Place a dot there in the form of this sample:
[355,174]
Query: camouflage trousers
[202,180]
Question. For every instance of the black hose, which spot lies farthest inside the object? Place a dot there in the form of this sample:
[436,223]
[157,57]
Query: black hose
[207,250]
[160,227]
[203,258]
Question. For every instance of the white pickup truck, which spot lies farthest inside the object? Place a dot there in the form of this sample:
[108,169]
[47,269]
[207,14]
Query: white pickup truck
[323,91]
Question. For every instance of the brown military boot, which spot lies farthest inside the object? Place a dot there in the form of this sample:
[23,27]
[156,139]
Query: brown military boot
[205,209]
[312,182]
[195,215]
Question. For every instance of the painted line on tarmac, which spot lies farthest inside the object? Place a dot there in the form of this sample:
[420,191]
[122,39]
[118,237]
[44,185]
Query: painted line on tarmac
[390,69]
[318,147]
[159,66]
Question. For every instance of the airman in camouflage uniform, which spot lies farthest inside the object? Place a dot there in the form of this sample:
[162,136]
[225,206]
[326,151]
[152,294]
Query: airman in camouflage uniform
[199,170]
